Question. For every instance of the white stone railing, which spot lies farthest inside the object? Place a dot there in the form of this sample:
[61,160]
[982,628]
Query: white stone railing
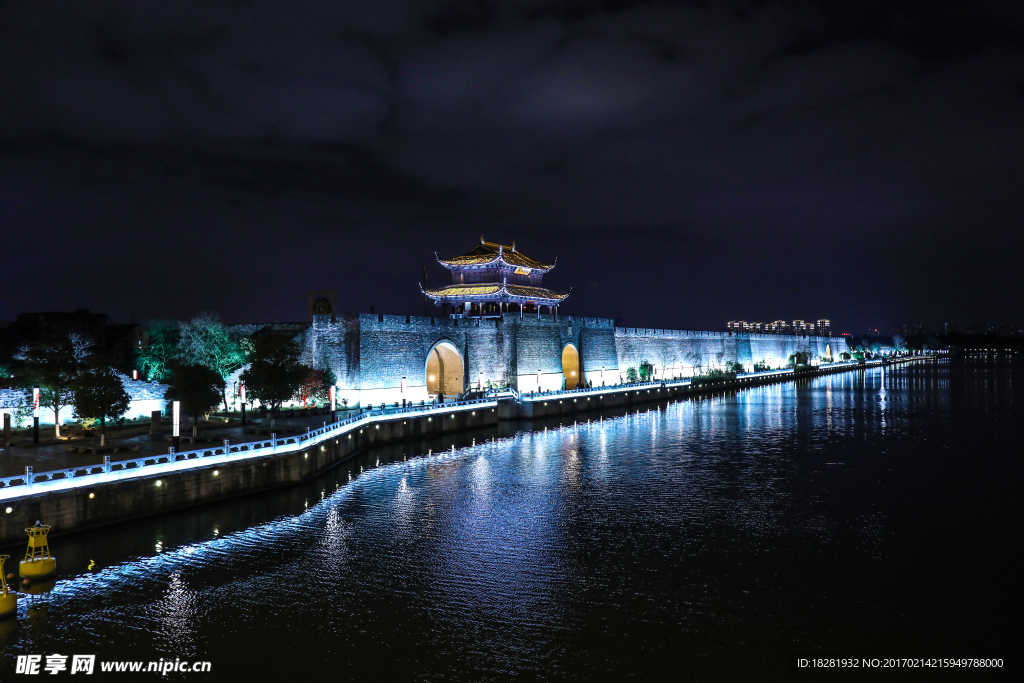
[36,483]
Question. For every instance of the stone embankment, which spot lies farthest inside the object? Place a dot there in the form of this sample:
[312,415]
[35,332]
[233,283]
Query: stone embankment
[87,497]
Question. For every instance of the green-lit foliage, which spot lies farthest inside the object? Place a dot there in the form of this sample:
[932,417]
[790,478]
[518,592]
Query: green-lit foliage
[646,371]
[154,361]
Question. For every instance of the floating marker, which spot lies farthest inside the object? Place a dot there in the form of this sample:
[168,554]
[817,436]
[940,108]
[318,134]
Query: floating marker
[38,562]
[8,601]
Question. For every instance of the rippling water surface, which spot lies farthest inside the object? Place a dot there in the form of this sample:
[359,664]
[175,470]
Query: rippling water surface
[867,514]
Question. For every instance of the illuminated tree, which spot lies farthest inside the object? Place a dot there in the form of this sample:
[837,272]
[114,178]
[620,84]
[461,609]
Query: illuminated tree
[99,394]
[316,389]
[52,365]
[734,368]
[154,360]
[646,371]
[274,374]
[205,341]
[797,359]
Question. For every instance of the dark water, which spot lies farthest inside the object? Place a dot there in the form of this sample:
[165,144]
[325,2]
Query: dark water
[864,514]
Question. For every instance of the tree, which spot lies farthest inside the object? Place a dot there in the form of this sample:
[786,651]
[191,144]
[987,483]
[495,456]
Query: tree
[197,387]
[155,359]
[646,371]
[275,373]
[316,389]
[22,414]
[631,375]
[53,364]
[696,364]
[797,359]
[99,394]
[205,341]
[734,368]
[80,345]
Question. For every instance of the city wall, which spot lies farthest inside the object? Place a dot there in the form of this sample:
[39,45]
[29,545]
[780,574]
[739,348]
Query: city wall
[383,358]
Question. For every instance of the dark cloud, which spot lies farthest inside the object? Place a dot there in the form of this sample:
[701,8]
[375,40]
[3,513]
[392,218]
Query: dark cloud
[688,162]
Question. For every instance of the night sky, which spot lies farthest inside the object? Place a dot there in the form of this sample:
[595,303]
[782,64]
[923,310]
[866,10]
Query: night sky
[688,163]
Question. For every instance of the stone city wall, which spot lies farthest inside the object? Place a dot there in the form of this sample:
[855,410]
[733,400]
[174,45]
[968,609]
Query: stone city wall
[383,358]
[684,353]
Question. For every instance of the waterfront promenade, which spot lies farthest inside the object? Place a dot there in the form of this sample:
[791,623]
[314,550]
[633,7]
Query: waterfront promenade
[81,496]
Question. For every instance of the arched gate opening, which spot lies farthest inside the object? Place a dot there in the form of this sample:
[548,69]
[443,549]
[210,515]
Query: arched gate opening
[570,367]
[444,371]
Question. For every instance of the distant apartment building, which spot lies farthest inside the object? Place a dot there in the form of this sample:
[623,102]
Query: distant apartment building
[822,327]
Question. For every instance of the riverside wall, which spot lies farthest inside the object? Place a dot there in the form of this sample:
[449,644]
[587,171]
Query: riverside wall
[383,358]
[112,502]
[74,510]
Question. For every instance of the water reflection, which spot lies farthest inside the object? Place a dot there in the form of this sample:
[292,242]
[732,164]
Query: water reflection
[771,515]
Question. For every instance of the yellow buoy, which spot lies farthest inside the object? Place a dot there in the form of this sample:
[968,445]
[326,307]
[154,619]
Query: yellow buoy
[38,562]
[8,601]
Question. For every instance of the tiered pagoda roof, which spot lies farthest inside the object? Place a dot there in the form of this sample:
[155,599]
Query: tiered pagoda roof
[495,273]
[496,291]
[495,255]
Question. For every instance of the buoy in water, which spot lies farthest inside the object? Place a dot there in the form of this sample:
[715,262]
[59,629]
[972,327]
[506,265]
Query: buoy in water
[8,601]
[38,562]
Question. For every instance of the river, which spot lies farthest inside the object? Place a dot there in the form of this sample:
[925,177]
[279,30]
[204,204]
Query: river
[867,514]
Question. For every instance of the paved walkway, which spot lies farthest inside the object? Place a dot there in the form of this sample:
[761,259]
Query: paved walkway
[44,458]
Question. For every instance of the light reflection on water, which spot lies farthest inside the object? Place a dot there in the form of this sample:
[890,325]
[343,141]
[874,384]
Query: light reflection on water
[787,516]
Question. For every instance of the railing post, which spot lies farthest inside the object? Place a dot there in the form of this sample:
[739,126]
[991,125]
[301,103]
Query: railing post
[106,463]
[227,444]
[29,477]
[273,441]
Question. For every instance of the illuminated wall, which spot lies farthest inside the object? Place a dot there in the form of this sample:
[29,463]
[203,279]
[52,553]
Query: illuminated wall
[145,398]
[684,353]
[383,358]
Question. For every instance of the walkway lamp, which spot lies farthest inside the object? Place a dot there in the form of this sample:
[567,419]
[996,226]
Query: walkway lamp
[175,424]
[35,414]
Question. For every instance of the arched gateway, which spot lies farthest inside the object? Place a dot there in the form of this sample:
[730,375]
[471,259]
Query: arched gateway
[444,370]
[570,366]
